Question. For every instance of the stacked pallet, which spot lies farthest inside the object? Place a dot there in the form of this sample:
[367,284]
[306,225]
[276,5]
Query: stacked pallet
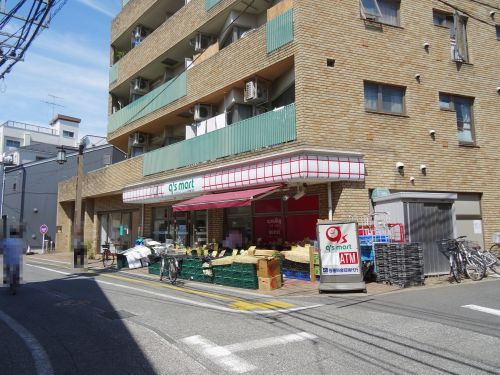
[400,264]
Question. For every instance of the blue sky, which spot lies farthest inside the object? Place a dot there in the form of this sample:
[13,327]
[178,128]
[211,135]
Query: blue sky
[69,60]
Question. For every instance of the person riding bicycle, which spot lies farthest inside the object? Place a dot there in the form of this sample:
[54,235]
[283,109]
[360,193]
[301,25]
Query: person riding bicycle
[13,250]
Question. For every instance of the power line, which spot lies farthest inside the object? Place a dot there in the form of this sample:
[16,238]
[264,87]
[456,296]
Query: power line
[33,20]
[467,13]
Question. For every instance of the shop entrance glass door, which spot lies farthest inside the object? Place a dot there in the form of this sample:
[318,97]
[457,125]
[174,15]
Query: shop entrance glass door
[199,235]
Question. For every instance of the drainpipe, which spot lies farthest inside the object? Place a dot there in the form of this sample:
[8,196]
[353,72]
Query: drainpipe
[330,205]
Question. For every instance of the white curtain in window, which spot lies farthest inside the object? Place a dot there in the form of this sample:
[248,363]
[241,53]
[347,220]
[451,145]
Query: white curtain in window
[389,10]
[371,93]
[392,99]
[464,120]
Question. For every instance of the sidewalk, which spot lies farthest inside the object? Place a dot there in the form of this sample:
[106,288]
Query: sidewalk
[291,287]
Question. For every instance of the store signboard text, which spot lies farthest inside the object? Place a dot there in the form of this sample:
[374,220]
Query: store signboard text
[338,244]
[190,185]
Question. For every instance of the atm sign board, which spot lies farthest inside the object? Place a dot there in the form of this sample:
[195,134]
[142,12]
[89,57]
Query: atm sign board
[339,248]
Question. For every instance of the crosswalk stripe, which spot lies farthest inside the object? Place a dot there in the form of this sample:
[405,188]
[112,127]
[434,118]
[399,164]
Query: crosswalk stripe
[486,310]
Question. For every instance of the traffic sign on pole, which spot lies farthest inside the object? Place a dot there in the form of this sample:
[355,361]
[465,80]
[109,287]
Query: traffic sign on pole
[44,229]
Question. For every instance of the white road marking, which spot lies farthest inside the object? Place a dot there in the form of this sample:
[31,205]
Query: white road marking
[47,260]
[224,355]
[180,299]
[219,355]
[271,341]
[486,310]
[40,357]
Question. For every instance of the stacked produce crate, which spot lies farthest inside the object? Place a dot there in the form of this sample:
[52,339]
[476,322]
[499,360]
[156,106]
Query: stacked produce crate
[400,264]
[240,275]
[192,269]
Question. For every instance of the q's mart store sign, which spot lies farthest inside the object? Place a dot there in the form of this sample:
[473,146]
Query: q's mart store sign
[339,249]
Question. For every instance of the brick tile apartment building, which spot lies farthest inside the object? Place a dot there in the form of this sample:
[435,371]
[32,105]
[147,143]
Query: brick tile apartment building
[246,121]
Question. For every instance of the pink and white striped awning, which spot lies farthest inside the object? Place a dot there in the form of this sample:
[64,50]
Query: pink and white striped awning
[305,167]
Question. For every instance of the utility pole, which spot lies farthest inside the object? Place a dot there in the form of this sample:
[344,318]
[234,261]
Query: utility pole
[80,253]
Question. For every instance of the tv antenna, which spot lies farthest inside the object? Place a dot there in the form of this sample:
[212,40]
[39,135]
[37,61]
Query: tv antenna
[53,103]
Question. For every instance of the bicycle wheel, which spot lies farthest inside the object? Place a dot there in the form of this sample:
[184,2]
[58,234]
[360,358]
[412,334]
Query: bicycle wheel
[172,270]
[107,259]
[475,269]
[454,269]
[162,269]
[495,250]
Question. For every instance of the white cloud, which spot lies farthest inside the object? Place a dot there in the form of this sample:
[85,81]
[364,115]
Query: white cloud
[98,7]
[70,46]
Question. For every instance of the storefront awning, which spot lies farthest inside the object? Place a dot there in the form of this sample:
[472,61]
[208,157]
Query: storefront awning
[223,200]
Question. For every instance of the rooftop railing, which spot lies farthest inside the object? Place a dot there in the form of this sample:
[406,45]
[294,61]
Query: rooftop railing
[31,128]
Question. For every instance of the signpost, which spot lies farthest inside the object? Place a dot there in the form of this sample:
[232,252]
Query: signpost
[43,230]
[339,257]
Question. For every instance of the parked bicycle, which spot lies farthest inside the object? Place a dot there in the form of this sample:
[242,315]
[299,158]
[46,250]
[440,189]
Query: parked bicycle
[108,257]
[464,260]
[495,248]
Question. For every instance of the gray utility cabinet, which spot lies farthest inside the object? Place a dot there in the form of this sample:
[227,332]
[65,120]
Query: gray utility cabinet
[427,217]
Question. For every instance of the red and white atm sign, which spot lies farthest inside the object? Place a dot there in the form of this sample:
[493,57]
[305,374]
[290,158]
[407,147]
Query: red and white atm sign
[349,257]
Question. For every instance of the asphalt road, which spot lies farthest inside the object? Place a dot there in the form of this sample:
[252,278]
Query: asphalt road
[65,323]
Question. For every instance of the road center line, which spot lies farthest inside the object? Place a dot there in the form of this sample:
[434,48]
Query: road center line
[486,310]
[40,357]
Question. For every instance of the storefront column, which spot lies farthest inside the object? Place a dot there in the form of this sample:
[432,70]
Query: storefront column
[349,198]
[64,226]
[89,228]
[216,225]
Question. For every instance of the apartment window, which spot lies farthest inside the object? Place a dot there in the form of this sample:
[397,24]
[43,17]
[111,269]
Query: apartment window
[443,19]
[498,31]
[68,134]
[383,11]
[384,98]
[10,143]
[462,106]
[457,24]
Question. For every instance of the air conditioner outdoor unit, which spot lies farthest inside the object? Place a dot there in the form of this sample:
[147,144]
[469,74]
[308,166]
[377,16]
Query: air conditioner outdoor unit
[201,42]
[139,33]
[256,91]
[140,85]
[202,112]
[138,139]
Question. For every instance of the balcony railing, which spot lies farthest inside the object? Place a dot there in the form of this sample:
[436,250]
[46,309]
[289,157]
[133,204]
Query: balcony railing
[279,31]
[209,4]
[113,73]
[269,129]
[31,128]
[161,96]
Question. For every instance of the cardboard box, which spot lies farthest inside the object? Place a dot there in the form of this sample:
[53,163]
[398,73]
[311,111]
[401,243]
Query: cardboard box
[268,267]
[269,283]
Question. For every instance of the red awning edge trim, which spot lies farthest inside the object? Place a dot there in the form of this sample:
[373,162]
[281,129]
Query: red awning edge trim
[238,198]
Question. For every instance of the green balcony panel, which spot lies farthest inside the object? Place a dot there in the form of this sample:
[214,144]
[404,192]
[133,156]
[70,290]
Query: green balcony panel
[269,129]
[279,31]
[161,96]
[209,4]
[113,73]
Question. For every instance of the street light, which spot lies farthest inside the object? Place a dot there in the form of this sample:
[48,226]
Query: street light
[79,251]
[61,155]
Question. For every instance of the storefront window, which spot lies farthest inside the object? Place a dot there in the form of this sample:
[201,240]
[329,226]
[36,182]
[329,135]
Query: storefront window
[199,227]
[116,228]
[181,228]
[163,224]
[238,227]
